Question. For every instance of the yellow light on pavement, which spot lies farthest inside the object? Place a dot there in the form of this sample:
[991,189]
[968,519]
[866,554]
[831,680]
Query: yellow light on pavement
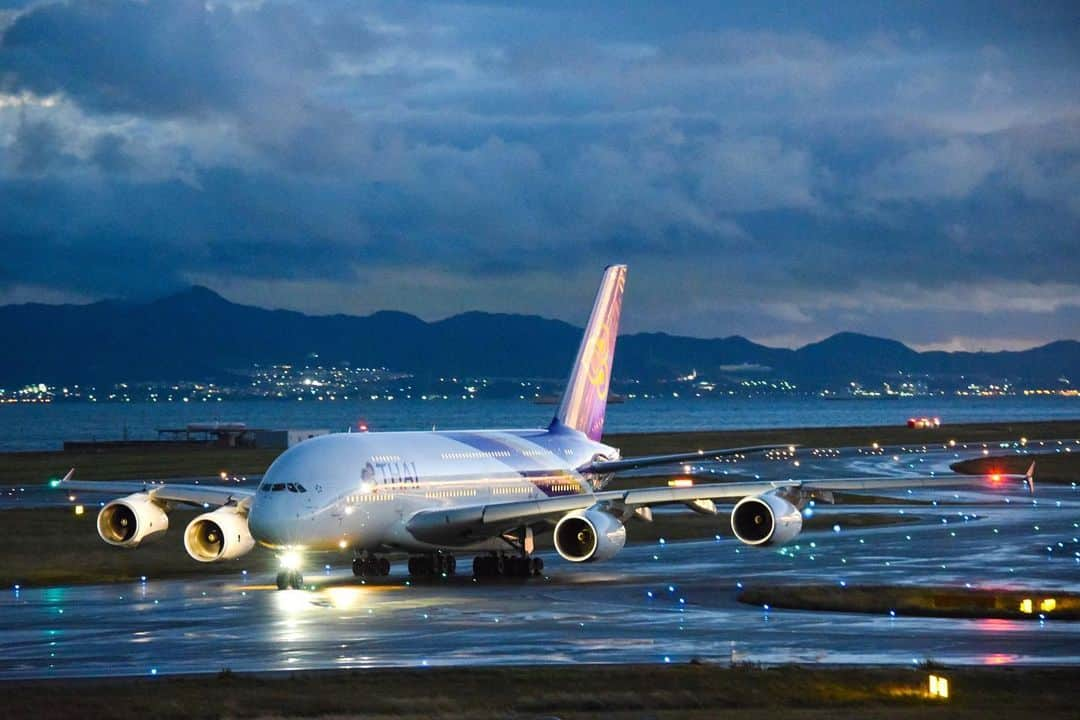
[1026,606]
[939,687]
[1048,604]
[79,510]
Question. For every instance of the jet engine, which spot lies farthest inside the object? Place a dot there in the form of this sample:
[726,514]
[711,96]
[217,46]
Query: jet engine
[588,535]
[765,520]
[129,521]
[219,535]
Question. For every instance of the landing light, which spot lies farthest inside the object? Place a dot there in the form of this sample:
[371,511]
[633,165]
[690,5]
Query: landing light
[291,560]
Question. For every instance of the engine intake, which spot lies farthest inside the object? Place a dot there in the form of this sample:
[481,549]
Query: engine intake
[589,535]
[765,520]
[219,535]
[131,520]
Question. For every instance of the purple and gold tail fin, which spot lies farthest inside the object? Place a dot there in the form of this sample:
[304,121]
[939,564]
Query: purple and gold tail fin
[585,398]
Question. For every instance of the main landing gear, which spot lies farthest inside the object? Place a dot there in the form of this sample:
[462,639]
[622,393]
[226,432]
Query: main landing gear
[370,566]
[290,580]
[521,566]
[432,564]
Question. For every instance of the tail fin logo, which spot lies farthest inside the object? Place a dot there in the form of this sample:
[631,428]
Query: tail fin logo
[598,372]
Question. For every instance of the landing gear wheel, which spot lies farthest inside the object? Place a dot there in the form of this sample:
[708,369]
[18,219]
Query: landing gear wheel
[522,566]
[434,564]
[371,566]
[290,579]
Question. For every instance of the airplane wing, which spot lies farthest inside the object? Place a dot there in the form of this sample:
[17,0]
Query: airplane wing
[724,491]
[185,494]
[458,525]
[605,467]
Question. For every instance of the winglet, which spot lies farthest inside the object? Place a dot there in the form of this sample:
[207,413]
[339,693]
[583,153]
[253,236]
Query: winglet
[1030,476]
[54,483]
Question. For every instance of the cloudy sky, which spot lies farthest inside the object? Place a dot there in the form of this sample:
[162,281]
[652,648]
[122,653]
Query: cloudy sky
[909,170]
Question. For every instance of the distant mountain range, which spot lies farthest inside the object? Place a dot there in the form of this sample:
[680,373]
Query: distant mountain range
[197,334]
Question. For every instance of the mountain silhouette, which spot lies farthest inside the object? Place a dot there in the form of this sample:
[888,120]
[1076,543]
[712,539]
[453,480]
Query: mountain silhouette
[196,334]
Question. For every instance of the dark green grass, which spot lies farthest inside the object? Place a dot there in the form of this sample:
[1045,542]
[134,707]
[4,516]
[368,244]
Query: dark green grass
[670,442]
[690,691]
[23,468]
[185,460]
[914,600]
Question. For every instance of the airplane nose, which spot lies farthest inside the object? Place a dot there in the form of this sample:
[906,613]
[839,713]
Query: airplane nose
[260,522]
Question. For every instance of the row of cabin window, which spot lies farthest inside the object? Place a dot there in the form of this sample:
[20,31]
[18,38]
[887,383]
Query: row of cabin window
[369,498]
[475,455]
[564,488]
[450,493]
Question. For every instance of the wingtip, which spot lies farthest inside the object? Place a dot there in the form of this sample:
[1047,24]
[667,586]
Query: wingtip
[1030,475]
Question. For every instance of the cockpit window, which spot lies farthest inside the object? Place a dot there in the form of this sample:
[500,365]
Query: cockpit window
[291,487]
[265,487]
[301,488]
[278,487]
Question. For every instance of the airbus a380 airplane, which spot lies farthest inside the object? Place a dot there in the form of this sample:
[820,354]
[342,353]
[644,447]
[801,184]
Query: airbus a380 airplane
[486,492]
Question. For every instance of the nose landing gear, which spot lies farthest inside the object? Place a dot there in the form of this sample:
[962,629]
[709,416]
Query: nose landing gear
[290,580]
[290,576]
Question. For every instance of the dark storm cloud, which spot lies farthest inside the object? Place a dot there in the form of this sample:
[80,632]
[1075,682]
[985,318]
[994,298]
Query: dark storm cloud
[172,58]
[910,170]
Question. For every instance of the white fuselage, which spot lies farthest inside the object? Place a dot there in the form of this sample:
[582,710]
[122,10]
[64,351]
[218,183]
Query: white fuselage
[358,490]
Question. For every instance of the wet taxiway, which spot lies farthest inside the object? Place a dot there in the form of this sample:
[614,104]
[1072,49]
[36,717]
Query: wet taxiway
[661,602]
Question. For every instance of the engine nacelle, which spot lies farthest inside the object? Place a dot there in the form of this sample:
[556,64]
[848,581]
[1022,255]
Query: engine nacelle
[765,520]
[131,520]
[219,535]
[589,535]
